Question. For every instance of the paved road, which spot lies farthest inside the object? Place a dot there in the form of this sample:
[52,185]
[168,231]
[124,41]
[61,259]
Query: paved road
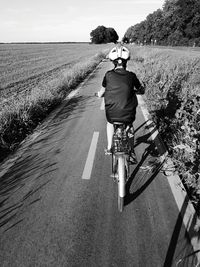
[55,210]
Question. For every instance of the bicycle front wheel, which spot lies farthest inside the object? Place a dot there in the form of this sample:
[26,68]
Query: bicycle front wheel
[121,182]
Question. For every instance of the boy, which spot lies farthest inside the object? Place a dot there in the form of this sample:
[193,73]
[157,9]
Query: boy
[119,89]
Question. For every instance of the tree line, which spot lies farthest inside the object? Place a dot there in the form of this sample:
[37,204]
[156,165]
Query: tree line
[177,23]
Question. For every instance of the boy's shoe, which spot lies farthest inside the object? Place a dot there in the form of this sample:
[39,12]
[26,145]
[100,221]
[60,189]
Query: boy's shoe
[108,151]
[133,158]
[114,176]
[131,132]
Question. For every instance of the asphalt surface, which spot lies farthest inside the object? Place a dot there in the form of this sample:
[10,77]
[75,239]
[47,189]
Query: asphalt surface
[53,215]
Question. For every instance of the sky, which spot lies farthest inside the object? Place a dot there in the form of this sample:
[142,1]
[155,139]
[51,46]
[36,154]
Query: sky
[69,20]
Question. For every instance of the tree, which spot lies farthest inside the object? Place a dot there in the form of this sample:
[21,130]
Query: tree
[98,35]
[102,35]
[134,34]
[111,35]
[125,40]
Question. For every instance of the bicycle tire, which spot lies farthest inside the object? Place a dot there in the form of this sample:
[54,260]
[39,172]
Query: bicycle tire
[120,204]
[114,165]
[121,182]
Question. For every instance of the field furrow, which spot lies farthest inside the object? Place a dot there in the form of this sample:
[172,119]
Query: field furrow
[35,80]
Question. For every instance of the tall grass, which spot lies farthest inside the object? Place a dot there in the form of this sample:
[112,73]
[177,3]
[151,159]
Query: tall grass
[173,97]
[23,112]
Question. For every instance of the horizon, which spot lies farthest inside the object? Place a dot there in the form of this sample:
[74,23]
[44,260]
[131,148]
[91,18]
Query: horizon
[53,42]
[45,21]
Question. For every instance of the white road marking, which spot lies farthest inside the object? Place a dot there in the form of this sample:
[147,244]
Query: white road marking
[147,117]
[186,209]
[102,105]
[90,158]
[72,93]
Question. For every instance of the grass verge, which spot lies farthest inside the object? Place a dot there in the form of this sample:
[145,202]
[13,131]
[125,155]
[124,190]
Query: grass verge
[173,98]
[21,113]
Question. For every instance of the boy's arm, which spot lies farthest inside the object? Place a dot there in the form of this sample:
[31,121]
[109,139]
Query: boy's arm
[101,92]
[140,89]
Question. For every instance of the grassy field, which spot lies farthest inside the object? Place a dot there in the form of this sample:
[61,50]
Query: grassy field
[172,84]
[24,66]
[35,78]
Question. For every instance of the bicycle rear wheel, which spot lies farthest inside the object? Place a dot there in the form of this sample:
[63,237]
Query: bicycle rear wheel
[121,182]
[114,166]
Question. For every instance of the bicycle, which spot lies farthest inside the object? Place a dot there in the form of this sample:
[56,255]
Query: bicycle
[121,155]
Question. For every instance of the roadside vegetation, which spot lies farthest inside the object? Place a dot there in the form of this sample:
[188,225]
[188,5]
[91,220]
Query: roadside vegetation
[22,111]
[173,98]
[176,24]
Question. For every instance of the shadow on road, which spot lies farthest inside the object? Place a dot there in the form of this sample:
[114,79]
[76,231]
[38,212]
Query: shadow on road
[33,170]
[18,185]
[150,164]
[184,246]
[144,175]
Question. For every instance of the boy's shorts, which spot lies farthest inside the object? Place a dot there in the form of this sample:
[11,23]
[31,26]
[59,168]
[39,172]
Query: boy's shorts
[121,116]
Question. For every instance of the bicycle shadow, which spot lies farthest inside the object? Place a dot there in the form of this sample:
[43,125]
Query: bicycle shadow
[150,136]
[184,246]
[151,162]
[146,176]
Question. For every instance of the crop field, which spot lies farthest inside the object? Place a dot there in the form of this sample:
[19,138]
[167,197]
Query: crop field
[172,94]
[24,66]
[34,79]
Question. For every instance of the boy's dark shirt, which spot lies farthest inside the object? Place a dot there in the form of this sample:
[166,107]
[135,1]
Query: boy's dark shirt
[120,95]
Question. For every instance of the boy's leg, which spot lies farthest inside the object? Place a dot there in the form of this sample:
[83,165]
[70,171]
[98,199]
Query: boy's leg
[131,136]
[110,132]
[131,133]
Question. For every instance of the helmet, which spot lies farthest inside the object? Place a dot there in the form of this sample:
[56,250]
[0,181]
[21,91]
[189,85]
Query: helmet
[119,52]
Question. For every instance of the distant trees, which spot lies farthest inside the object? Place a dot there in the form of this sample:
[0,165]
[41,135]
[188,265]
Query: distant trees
[177,23]
[102,35]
